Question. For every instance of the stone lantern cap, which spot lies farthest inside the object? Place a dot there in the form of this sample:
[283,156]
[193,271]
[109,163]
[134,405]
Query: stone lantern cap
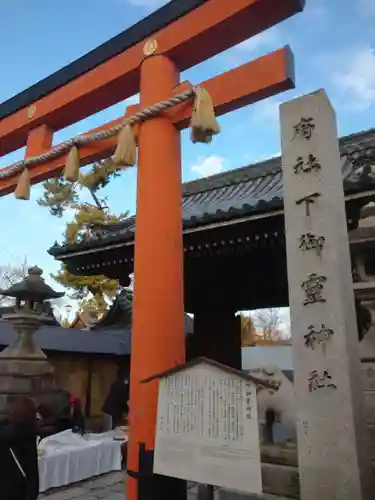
[32,288]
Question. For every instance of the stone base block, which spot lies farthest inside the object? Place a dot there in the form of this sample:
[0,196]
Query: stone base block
[231,495]
[281,480]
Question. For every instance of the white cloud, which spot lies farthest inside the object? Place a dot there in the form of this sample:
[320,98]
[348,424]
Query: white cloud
[263,40]
[355,78]
[209,166]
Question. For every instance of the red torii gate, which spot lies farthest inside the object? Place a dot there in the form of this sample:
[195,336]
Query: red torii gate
[149,60]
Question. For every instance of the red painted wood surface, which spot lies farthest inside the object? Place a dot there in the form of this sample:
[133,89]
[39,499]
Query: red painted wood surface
[239,87]
[215,26]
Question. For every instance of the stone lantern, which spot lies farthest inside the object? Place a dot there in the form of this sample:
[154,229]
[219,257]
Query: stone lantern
[362,246]
[24,368]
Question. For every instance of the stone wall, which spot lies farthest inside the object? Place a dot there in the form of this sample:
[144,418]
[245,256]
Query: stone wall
[368,369]
[72,374]
[279,475]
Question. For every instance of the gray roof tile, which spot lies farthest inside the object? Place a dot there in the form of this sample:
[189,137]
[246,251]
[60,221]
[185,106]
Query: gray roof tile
[120,313]
[50,338]
[244,191]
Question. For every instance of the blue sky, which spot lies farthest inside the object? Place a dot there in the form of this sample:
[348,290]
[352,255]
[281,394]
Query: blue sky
[333,42]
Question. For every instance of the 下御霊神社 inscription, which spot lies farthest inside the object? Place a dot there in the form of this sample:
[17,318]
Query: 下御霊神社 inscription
[321,301]
[313,287]
[317,335]
[310,241]
[308,200]
[320,381]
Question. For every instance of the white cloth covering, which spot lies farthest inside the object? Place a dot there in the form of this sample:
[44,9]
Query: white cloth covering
[66,458]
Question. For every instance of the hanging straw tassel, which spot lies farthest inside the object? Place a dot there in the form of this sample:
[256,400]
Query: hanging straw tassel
[203,121]
[22,191]
[126,151]
[71,170]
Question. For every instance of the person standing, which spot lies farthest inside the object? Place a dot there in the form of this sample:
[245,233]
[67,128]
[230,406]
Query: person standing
[19,477]
[116,402]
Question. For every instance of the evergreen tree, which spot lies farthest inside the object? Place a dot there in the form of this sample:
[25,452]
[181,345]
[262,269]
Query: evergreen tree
[59,195]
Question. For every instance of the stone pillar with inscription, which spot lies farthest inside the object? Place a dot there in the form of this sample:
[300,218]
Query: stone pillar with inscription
[332,449]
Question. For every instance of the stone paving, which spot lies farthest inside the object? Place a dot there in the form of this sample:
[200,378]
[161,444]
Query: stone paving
[107,487]
[112,487]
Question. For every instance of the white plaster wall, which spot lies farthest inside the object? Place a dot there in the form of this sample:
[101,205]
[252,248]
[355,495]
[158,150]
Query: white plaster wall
[258,357]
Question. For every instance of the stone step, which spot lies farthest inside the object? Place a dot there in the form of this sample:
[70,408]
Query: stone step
[230,495]
[280,482]
[279,454]
[280,477]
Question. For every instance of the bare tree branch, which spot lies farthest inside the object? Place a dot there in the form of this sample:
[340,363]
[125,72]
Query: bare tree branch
[269,322]
[9,275]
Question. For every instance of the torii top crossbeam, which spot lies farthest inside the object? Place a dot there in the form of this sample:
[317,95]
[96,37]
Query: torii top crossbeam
[188,32]
[148,59]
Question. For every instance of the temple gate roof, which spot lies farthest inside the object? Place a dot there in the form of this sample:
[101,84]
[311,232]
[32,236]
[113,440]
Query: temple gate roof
[111,335]
[244,192]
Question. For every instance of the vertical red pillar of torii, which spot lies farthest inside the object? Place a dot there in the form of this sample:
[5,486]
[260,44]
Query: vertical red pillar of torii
[207,28]
[158,340]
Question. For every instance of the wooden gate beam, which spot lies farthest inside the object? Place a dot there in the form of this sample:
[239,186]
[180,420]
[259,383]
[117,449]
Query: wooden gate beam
[239,87]
[205,31]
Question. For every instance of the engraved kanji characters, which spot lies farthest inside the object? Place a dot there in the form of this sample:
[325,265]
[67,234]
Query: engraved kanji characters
[304,128]
[249,401]
[313,287]
[308,165]
[310,241]
[317,336]
[308,200]
[323,381]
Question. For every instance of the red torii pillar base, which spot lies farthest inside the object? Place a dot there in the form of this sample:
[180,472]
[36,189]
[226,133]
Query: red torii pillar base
[158,341]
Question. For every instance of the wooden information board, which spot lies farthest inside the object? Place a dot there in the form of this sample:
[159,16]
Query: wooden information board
[207,429]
